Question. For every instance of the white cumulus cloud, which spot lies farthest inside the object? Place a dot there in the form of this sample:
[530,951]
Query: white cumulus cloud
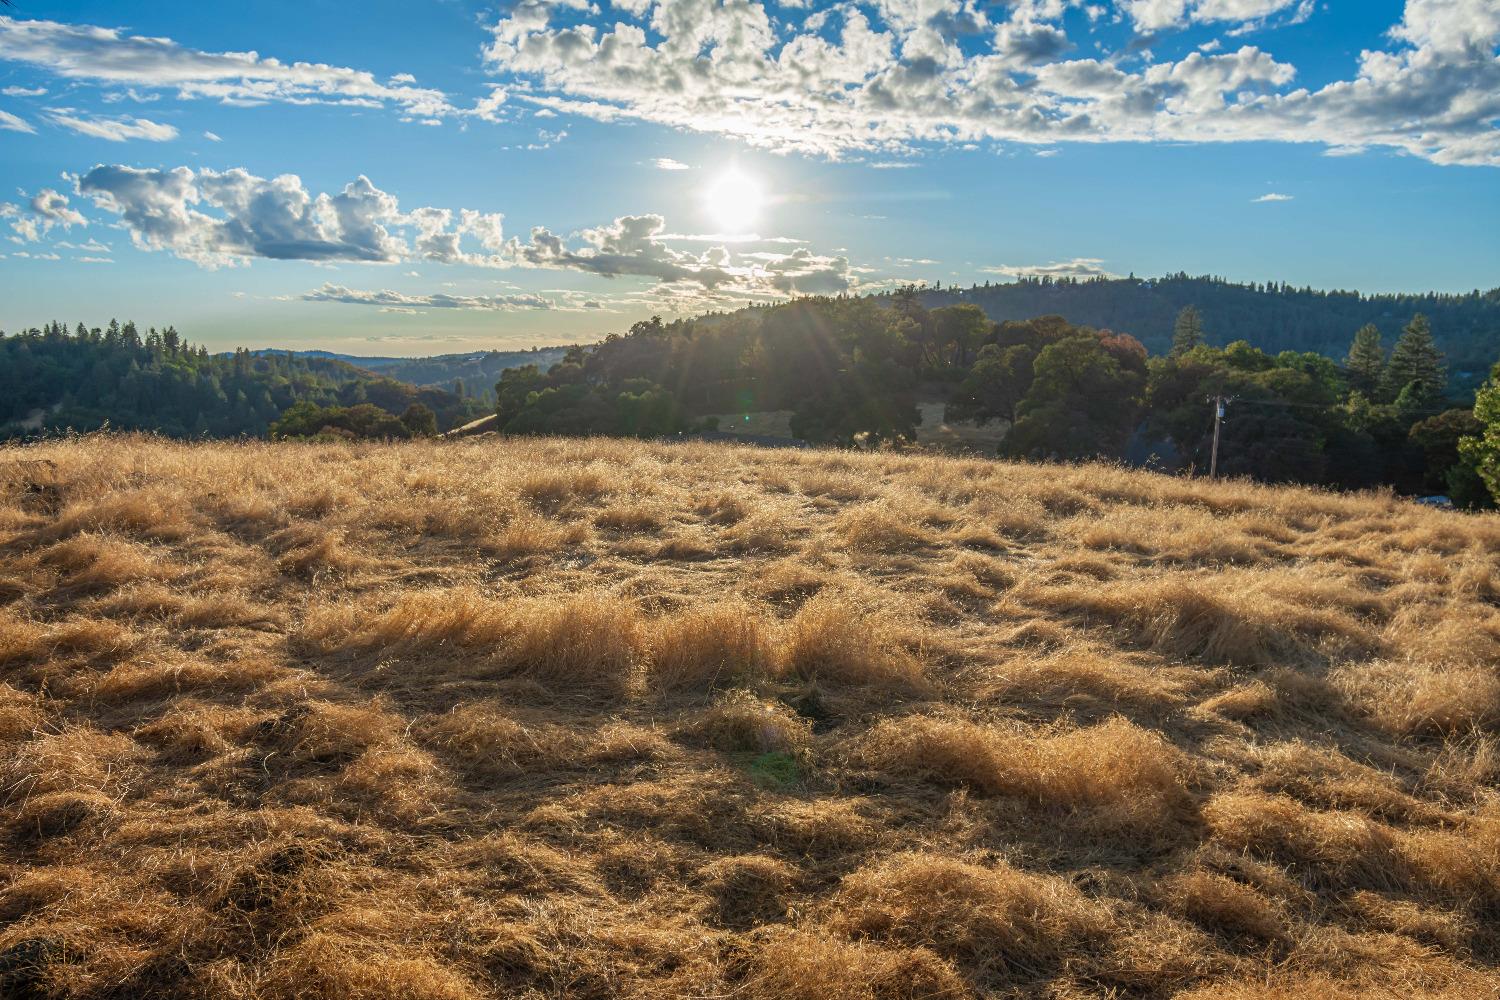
[890,75]
[224,218]
[1154,15]
[252,217]
[46,210]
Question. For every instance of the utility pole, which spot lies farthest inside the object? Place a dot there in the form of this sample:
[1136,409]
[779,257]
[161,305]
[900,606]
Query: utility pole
[1213,463]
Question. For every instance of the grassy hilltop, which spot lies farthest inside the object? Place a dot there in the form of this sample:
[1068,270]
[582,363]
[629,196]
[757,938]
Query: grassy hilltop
[597,718]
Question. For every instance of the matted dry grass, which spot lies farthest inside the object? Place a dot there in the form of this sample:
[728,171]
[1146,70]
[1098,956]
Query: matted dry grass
[560,718]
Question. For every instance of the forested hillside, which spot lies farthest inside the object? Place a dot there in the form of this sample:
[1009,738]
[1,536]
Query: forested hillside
[1273,316]
[853,370]
[51,378]
[474,373]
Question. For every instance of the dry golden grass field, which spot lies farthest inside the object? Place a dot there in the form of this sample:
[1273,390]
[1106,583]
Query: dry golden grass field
[548,718]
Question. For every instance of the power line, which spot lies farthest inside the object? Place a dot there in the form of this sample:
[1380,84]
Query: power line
[1282,402]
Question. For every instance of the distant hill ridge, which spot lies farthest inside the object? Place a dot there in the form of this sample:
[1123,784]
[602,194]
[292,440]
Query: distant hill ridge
[1273,316]
[477,369]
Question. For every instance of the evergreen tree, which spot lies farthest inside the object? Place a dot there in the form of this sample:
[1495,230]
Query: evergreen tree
[1416,372]
[1366,361]
[1187,332]
[88,378]
[1481,452]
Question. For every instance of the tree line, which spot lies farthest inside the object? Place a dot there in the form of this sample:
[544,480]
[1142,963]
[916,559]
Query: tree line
[1272,315]
[53,378]
[852,370]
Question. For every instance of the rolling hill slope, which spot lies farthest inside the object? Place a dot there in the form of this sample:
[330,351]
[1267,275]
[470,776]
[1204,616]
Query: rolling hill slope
[477,369]
[599,718]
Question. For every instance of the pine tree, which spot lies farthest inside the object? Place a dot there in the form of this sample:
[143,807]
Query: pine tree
[1187,332]
[1416,371]
[1366,361]
[1482,452]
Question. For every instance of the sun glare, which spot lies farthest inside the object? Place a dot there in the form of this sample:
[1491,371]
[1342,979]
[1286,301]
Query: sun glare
[734,201]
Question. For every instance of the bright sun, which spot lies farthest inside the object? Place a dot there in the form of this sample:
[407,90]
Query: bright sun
[734,201]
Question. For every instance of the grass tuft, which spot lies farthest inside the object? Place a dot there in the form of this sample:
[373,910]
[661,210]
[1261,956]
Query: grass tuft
[995,923]
[832,639]
[1121,776]
[739,722]
[715,646]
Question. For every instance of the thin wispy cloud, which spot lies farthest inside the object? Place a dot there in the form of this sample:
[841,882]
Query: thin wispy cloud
[397,300]
[729,238]
[13,123]
[1273,196]
[667,163]
[1077,267]
[115,129]
[112,56]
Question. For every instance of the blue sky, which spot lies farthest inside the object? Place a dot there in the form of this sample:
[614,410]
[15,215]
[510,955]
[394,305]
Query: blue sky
[451,175]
